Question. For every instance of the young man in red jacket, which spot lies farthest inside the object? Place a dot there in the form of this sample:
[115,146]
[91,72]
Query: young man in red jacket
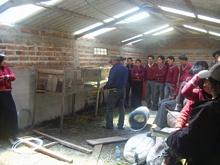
[150,72]
[161,73]
[171,78]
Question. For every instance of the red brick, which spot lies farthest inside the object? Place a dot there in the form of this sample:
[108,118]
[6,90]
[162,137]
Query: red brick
[9,52]
[33,58]
[22,48]
[13,47]
[36,32]
[2,46]
[58,35]
[24,30]
[23,58]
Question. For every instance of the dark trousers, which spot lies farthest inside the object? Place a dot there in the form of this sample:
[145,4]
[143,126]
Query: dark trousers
[115,97]
[136,94]
[127,90]
[8,115]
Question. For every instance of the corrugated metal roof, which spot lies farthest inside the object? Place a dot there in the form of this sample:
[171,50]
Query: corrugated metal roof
[73,15]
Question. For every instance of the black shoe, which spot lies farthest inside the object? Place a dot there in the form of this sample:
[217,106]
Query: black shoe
[105,127]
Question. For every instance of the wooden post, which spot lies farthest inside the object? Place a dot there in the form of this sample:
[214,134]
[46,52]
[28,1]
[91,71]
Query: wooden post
[65,143]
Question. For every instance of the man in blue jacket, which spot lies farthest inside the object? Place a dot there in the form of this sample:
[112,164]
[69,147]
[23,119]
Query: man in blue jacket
[117,80]
[200,142]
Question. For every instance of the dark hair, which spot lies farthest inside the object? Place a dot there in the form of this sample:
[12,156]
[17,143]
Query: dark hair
[161,57]
[129,58]
[217,52]
[1,58]
[171,58]
[215,85]
[197,67]
[183,57]
[138,60]
[150,56]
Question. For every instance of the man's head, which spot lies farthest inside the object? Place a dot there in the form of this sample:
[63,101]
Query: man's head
[170,60]
[160,60]
[114,60]
[122,59]
[214,78]
[150,59]
[183,59]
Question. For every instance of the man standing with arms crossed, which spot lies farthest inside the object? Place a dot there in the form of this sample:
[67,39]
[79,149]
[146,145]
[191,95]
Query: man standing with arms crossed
[171,78]
[117,80]
[150,72]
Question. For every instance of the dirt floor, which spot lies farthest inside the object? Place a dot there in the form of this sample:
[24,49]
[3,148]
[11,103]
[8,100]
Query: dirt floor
[77,129]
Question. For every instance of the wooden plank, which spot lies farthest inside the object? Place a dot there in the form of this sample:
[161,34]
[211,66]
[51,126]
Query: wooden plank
[110,139]
[47,152]
[65,143]
[95,155]
[51,71]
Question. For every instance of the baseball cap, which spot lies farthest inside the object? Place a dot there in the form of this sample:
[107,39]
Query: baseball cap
[114,58]
[122,58]
[2,55]
[213,72]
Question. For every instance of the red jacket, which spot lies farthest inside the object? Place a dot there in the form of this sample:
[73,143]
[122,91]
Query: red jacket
[6,76]
[161,73]
[150,72]
[184,72]
[192,94]
[172,75]
[184,76]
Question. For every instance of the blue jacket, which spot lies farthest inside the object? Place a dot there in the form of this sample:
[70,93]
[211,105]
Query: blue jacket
[118,76]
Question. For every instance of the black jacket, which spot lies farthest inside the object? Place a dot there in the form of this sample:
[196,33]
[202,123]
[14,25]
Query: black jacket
[200,142]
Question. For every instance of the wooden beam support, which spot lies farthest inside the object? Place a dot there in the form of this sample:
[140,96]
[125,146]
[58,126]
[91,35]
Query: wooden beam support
[65,143]
[189,3]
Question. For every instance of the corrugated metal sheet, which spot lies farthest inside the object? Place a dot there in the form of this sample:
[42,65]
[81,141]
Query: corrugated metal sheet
[72,15]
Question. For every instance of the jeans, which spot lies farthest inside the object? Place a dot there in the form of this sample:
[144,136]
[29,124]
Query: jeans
[150,98]
[115,97]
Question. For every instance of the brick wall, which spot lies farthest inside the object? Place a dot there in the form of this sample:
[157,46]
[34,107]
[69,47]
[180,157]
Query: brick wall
[36,48]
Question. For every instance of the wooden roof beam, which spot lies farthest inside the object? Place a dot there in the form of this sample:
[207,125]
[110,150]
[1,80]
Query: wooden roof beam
[192,8]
